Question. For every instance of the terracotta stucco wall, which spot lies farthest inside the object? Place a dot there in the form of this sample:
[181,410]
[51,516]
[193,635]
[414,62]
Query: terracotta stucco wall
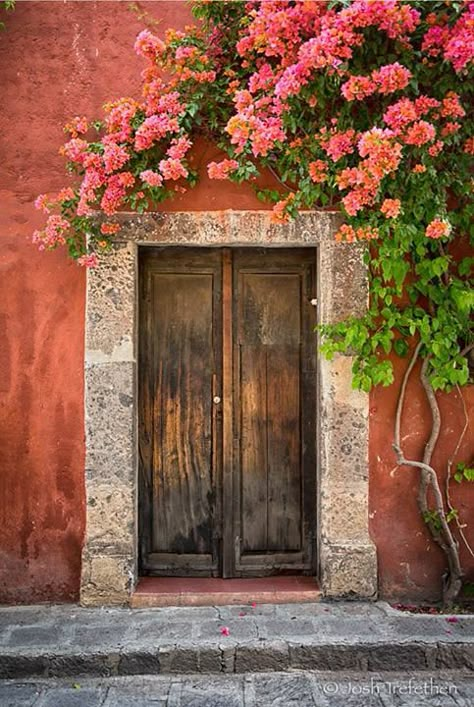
[57,60]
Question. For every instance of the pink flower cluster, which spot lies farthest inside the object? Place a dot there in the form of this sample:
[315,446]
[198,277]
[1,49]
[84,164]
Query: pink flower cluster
[222,169]
[337,144]
[173,169]
[148,45]
[53,233]
[318,171]
[88,261]
[387,79]
[456,43]
[115,191]
[438,228]
[390,208]
[153,129]
[152,178]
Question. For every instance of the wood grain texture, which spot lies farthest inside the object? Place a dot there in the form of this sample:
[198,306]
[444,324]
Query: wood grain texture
[179,341]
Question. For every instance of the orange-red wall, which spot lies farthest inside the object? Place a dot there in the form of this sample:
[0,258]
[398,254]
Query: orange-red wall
[63,59]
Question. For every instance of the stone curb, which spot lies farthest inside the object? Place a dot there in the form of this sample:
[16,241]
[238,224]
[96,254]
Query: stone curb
[253,656]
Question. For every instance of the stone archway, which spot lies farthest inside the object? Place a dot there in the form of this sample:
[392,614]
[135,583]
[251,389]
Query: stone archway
[347,556]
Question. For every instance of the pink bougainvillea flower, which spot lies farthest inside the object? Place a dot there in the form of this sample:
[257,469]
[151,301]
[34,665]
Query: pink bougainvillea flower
[109,229]
[253,604]
[452,619]
[420,133]
[148,45]
[390,78]
[317,171]
[152,178]
[242,613]
[222,169]
[437,229]
[77,126]
[172,169]
[469,146]
[346,234]
[42,203]
[390,208]
[225,631]
[88,261]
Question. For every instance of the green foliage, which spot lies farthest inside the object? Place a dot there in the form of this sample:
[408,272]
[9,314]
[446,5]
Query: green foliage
[464,472]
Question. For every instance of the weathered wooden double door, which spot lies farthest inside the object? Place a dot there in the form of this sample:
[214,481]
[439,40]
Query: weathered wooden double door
[227,387]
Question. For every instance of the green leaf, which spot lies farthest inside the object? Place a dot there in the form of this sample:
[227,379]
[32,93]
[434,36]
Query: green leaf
[401,347]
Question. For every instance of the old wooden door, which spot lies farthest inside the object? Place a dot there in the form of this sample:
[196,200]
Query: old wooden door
[227,390]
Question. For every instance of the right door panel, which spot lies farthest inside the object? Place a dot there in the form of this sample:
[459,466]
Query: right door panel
[274,411]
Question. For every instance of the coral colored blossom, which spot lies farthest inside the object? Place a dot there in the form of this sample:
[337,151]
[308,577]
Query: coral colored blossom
[420,133]
[53,233]
[317,171]
[114,157]
[88,261]
[390,208]
[148,45]
[451,106]
[152,178]
[222,169]
[75,149]
[419,168]
[337,144]
[178,148]
[172,169]
[400,114]
[437,229]
[109,229]
[358,87]
[435,149]
[77,126]
[469,146]
[345,233]
[42,203]
[450,128]
[390,78]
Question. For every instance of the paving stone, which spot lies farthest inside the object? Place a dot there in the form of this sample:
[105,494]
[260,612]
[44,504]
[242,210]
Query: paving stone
[34,636]
[211,692]
[261,657]
[86,636]
[19,694]
[279,628]
[160,632]
[239,629]
[72,697]
[23,666]
[283,691]
[144,662]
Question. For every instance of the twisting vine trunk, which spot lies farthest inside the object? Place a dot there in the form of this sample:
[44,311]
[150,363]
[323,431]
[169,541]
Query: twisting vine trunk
[433,512]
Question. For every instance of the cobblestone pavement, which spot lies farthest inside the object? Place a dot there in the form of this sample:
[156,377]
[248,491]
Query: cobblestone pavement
[293,689]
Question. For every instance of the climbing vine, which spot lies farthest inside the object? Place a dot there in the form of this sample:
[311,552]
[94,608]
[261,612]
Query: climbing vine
[361,106]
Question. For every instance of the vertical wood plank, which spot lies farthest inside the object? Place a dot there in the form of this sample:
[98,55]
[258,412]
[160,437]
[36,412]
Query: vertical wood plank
[182,443]
[284,445]
[253,448]
[228,539]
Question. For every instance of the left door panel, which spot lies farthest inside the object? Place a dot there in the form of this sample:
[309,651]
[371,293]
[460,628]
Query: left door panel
[180,424]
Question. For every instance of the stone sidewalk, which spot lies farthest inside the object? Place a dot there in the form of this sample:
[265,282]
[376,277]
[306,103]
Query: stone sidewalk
[63,641]
[290,689]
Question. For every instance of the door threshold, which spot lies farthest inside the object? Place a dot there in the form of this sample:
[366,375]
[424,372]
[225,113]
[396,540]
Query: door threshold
[204,591]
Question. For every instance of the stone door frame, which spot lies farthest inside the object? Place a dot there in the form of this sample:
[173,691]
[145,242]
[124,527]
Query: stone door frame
[346,554]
